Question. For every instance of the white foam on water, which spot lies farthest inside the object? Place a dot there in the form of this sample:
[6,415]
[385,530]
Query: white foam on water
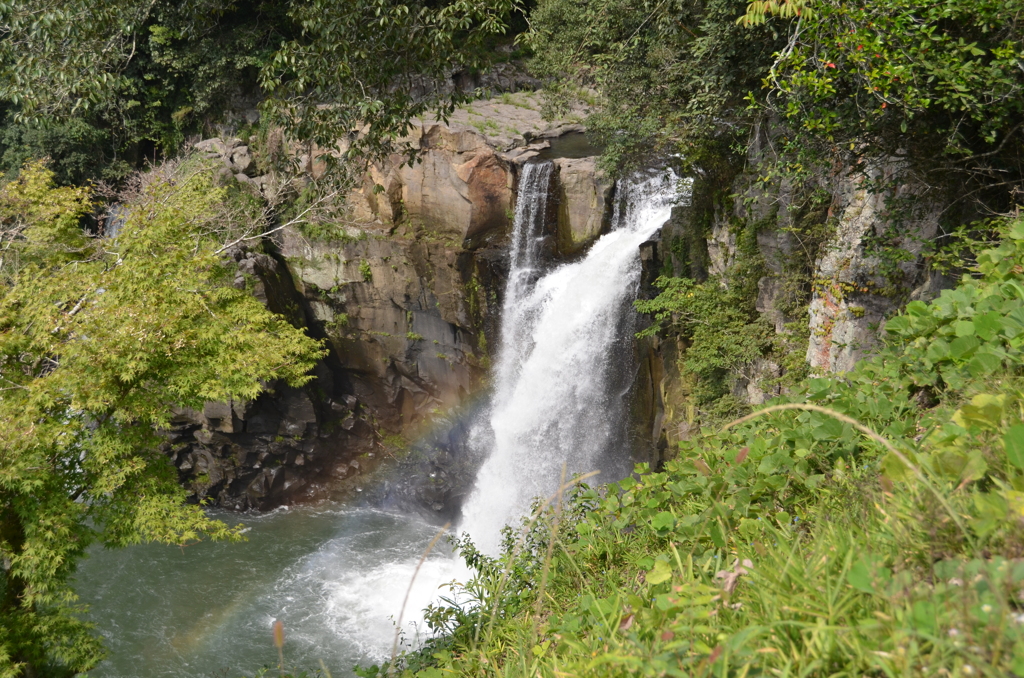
[363,606]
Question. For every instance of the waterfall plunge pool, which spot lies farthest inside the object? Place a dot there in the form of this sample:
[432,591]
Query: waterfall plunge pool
[335,575]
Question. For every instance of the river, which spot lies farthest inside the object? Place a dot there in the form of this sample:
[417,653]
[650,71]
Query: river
[335,575]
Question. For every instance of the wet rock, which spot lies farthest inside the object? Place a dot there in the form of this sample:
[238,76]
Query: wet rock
[584,203]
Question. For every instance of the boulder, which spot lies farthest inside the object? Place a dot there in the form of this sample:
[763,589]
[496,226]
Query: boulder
[218,146]
[584,203]
[242,161]
[458,189]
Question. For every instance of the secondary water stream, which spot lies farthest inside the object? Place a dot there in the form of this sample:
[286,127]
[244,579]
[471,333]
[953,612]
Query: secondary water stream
[335,574]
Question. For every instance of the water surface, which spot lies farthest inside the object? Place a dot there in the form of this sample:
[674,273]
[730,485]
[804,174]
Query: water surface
[335,575]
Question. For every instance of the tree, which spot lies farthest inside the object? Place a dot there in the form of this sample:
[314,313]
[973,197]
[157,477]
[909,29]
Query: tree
[936,86]
[99,340]
[671,77]
[152,71]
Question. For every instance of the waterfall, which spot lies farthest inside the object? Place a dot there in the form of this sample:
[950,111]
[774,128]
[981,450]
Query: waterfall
[524,267]
[558,393]
[335,573]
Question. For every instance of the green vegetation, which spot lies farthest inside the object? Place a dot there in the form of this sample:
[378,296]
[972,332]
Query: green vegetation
[123,80]
[864,524]
[868,524]
[99,341]
[670,77]
[776,109]
[721,329]
[933,84]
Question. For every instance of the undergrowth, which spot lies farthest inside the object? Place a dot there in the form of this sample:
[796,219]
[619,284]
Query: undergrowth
[871,527]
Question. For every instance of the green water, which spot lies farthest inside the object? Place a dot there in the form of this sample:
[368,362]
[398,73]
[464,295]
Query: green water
[335,575]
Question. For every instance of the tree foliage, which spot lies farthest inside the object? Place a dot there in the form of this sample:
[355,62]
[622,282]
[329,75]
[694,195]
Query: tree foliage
[99,341]
[671,77]
[937,85]
[909,77]
[148,73]
[368,66]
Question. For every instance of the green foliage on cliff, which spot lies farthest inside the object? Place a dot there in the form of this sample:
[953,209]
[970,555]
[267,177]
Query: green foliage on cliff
[720,328]
[671,77]
[869,524]
[786,105]
[100,339]
[905,71]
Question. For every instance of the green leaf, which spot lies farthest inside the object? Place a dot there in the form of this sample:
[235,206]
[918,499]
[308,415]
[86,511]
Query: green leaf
[860,576]
[938,350]
[959,465]
[963,347]
[663,521]
[925,616]
[716,534]
[964,328]
[897,325]
[985,410]
[989,325]
[894,469]
[1013,445]
[661,573]
[829,429]
[812,482]
[984,363]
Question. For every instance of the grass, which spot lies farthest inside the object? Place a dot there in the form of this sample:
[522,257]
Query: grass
[855,528]
[487,126]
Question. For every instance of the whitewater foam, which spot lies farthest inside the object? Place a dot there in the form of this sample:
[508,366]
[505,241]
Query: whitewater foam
[564,341]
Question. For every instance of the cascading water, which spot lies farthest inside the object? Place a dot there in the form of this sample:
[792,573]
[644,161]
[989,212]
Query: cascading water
[336,574]
[524,261]
[555,400]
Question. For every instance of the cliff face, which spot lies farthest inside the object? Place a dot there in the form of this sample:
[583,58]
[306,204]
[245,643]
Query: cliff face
[407,304]
[831,263]
[408,301]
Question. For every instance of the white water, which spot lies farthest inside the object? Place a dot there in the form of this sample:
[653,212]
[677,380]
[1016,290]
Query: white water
[336,576]
[554,399]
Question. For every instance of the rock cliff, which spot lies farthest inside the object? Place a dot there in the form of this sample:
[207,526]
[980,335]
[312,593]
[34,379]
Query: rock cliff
[826,265]
[405,299]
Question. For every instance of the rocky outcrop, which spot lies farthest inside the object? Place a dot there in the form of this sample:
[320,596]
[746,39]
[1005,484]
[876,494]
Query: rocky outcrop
[405,319]
[458,189]
[405,298]
[285,444]
[584,198]
[831,262]
[856,286]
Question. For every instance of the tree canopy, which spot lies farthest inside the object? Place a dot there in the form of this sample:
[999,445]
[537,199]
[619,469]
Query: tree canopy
[144,74]
[935,84]
[100,339]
